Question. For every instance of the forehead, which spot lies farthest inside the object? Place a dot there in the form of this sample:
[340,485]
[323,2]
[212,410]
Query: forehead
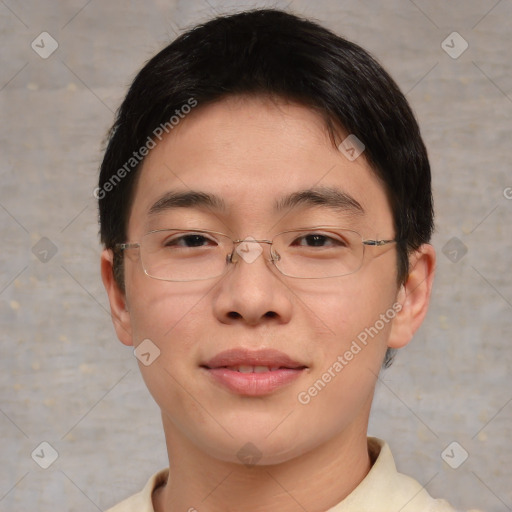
[253,154]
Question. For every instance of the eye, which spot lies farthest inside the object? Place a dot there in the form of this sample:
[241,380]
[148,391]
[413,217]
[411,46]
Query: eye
[188,240]
[318,240]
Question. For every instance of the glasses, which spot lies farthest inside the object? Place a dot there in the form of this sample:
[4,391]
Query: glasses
[195,255]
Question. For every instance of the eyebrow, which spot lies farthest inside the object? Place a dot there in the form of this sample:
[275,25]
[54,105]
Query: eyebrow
[187,199]
[329,197]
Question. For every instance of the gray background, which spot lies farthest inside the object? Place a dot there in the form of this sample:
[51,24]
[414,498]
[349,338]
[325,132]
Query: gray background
[66,380]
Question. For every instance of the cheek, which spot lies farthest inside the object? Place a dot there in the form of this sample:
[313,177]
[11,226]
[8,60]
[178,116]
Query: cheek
[348,305]
[348,355]
[357,314]
[173,316]
[159,309]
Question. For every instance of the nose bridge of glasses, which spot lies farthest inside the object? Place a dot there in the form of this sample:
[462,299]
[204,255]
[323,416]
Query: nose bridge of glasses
[252,240]
[249,253]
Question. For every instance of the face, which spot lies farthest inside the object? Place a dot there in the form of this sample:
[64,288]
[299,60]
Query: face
[311,376]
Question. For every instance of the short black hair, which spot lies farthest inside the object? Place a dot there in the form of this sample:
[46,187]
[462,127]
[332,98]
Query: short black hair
[272,53]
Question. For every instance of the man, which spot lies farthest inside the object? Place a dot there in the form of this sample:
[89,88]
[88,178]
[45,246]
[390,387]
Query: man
[265,207]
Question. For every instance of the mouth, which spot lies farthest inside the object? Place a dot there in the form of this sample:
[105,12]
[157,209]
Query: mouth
[253,373]
[247,368]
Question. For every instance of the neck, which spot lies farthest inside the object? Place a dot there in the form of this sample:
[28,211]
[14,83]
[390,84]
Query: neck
[314,481]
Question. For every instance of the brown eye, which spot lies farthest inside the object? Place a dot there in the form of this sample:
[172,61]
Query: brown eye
[188,240]
[317,240]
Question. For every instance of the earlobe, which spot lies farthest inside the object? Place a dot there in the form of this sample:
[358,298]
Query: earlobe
[414,296]
[117,298]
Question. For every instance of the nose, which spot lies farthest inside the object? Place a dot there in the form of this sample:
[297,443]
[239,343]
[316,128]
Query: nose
[252,291]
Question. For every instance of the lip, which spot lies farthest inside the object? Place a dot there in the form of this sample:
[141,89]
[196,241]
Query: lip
[220,369]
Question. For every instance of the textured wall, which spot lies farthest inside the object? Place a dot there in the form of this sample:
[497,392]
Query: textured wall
[66,380]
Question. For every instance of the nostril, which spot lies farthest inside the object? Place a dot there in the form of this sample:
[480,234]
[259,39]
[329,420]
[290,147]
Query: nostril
[234,315]
[270,314]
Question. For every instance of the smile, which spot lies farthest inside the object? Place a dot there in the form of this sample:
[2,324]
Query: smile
[253,373]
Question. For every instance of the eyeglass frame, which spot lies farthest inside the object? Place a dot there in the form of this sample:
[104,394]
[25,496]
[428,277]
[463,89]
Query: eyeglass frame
[230,256]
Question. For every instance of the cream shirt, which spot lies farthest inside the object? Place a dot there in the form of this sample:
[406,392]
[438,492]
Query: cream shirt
[383,489]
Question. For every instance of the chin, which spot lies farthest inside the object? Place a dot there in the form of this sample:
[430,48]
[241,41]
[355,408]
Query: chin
[257,444]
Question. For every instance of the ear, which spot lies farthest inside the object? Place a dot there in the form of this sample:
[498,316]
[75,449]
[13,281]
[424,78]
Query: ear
[413,296]
[118,307]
